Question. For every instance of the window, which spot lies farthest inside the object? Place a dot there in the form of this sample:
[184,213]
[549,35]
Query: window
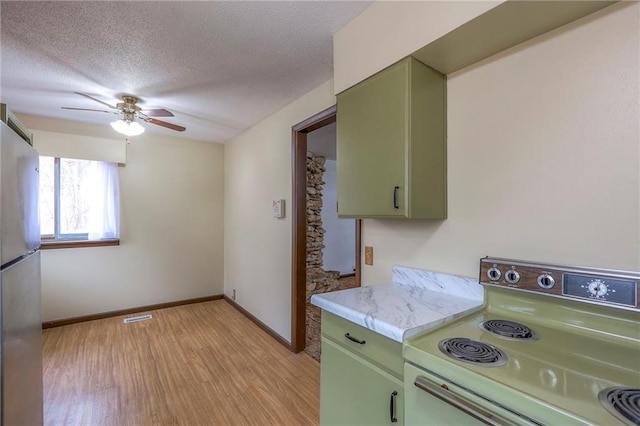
[79,200]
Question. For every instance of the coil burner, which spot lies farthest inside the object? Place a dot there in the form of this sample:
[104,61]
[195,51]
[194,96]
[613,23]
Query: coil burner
[473,352]
[622,402]
[509,330]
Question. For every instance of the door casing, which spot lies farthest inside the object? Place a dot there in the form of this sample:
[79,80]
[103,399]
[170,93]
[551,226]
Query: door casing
[299,224]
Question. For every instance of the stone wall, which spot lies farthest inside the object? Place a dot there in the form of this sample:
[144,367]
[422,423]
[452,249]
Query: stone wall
[318,280]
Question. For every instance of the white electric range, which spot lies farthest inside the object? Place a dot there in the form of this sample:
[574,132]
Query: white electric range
[553,345]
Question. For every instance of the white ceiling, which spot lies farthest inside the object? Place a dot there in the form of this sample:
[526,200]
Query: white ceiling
[219,67]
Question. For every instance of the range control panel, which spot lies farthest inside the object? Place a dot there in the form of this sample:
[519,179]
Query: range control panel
[621,288]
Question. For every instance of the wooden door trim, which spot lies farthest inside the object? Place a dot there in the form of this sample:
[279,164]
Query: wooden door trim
[358,252]
[299,224]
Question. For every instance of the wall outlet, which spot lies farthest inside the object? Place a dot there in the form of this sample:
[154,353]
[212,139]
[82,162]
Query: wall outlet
[233,295]
[368,255]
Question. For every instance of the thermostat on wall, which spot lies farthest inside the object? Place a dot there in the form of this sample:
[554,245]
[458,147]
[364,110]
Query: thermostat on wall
[278,208]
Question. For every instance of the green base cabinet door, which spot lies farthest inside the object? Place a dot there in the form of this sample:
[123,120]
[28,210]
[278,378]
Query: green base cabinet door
[355,392]
[391,147]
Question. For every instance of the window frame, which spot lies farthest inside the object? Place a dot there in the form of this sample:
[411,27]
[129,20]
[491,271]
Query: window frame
[53,244]
[72,240]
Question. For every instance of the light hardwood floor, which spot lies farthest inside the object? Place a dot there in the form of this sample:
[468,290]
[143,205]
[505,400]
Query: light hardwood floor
[200,364]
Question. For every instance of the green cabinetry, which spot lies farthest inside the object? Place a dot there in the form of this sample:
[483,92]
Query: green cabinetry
[356,392]
[360,376]
[391,144]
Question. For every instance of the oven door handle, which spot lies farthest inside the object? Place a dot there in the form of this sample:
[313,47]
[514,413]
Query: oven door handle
[467,407]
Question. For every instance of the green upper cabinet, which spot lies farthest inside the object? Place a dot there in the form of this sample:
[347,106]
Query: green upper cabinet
[391,144]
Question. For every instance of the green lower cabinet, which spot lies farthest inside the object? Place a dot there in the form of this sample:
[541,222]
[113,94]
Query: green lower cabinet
[356,392]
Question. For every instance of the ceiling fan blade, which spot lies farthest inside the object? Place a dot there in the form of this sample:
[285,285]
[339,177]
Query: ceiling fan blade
[96,110]
[148,119]
[165,124]
[94,99]
[160,112]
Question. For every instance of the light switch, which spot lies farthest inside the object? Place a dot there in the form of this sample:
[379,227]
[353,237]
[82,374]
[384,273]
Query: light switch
[278,208]
[368,255]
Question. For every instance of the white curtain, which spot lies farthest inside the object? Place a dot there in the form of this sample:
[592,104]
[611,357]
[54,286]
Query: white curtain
[104,213]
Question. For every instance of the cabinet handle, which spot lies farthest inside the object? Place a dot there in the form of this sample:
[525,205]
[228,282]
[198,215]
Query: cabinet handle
[392,407]
[395,197]
[467,407]
[353,339]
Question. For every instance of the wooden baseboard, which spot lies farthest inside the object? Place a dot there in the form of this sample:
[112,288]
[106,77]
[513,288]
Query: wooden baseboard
[103,315]
[259,323]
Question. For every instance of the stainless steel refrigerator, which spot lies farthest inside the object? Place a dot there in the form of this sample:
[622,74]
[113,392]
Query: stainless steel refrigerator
[20,310]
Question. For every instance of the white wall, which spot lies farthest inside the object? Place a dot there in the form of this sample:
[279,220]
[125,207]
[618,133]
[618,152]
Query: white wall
[257,246]
[543,157]
[389,30]
[340,234]
[171,245]
[563,108]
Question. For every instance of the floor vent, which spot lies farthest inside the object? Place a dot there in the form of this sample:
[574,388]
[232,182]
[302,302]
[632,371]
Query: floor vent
[138,318]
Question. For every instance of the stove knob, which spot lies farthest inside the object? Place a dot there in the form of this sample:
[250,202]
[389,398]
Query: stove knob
[494,274]
[512,277]
[546,281]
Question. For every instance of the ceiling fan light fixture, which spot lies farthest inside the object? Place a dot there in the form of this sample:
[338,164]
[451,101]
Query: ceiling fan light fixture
[128,128]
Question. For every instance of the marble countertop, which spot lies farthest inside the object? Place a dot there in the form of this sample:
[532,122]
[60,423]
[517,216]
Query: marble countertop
[416,301]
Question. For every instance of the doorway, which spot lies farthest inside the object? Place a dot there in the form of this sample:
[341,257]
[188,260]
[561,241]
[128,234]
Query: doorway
[300,136]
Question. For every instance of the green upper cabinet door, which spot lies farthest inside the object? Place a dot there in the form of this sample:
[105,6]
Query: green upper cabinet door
[391,148]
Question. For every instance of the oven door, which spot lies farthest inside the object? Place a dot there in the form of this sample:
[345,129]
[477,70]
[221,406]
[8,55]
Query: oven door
[430,400]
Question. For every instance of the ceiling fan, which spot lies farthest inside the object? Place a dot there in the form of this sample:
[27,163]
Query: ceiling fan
[128,125]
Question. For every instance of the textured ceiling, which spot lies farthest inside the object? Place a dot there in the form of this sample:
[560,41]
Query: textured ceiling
[219,67]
